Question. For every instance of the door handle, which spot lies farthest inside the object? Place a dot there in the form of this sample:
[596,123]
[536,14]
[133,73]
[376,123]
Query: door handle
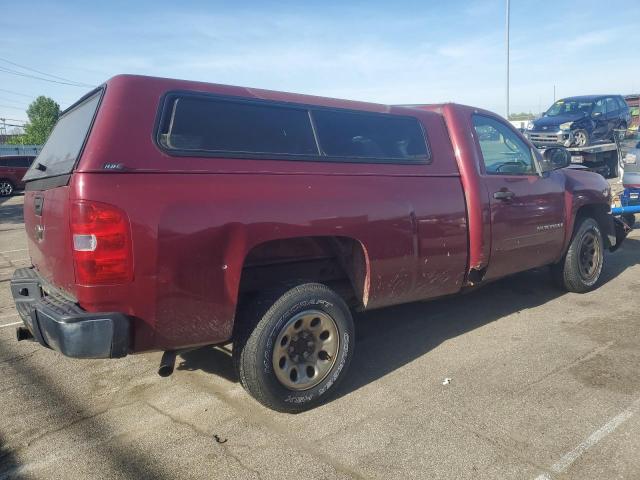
[504,195]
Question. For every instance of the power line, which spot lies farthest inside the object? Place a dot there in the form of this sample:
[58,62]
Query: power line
[22,74]
[14,108]
[45,73]
[14,119]
[11,100]
[16,93]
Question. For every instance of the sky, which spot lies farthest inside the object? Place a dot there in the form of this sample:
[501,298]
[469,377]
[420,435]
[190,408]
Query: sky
[393,52]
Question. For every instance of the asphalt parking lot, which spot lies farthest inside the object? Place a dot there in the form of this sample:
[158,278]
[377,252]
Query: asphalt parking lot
[543,385]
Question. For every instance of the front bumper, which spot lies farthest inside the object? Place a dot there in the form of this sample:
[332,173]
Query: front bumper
[561,138]
[60,324]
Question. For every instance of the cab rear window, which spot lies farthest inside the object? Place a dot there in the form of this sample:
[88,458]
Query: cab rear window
[61,150]
[207,125]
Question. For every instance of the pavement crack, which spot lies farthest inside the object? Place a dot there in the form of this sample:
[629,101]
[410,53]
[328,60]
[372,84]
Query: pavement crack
[68,425]
[19,357]
[563,368]
[179,421]
[225,447]
[492,441]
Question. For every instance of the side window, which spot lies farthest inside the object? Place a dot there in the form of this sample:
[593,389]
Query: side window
[363,135]
[612,105]
[12,162]
[622,103]
[25,162]
[212,125]
[503,152]
[598,107]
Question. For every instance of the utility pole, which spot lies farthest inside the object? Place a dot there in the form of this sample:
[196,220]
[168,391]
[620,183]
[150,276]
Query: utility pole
[507,44]
[554,93]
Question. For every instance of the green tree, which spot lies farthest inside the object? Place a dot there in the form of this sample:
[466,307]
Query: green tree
[521,116]
[43,114]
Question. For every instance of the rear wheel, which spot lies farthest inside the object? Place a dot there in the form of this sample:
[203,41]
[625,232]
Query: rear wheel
[580,268]
[620,135]
[6,188]
[580,138]
[293,346]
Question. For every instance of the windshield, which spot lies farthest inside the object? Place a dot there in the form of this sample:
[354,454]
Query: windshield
[570,107]
[60,152]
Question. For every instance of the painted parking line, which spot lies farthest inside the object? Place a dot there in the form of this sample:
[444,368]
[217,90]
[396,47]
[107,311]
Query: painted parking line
[11,324]
[9,315]
[13,251]
[567,459]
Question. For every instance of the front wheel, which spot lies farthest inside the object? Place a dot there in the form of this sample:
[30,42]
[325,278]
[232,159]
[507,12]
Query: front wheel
[580,268]
[580,138]
[294,346]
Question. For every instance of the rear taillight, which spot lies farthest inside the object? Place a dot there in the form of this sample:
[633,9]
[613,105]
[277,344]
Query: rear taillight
[101,243]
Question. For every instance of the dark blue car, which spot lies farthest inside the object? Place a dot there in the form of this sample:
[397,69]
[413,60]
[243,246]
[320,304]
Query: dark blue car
[580,121]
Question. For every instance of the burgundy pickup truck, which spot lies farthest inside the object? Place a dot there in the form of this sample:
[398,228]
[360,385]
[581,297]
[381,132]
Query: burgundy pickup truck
[165,215]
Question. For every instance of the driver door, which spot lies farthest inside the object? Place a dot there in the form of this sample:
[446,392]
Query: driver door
[527,210]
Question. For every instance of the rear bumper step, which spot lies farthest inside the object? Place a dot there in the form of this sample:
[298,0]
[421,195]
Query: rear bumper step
[60,324]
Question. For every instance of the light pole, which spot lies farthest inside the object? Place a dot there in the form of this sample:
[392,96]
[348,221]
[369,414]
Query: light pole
[507,45]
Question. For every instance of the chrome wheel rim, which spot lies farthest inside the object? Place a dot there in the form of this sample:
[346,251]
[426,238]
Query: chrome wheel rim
[5,188]
[581,138]
[590,261]
[305,350]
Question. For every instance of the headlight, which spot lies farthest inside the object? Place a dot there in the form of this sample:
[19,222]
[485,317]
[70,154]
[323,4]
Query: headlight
[530,126]
[566,126]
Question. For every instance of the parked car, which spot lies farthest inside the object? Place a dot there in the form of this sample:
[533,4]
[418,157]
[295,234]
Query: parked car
[12,169]
[227,214]
[580,121]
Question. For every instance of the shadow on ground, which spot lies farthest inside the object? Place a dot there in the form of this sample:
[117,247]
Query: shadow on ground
[128,462]
[389,338]
[8,460]
[10,214]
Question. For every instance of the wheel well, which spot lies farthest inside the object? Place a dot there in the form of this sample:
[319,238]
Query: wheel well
[339,262]
[600,213]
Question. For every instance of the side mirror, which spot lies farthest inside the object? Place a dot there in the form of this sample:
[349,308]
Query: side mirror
[555,158]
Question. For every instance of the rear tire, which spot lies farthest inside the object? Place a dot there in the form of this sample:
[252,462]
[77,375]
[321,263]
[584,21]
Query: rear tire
[6,188]
[293,346]
[580,268]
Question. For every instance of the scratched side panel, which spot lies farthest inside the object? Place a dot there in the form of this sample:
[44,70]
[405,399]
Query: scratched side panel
[189,250]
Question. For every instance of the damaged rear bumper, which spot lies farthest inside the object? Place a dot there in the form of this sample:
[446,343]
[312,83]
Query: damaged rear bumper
[62,325]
